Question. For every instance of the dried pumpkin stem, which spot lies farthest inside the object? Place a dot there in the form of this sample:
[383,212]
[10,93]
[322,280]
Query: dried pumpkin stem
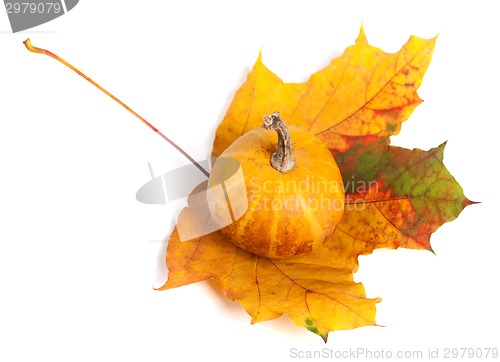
[281,160]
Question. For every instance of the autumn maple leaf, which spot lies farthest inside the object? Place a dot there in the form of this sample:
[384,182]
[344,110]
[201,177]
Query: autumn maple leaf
[395,197]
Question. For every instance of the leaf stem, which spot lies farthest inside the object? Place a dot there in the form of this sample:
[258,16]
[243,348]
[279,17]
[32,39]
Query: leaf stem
[34,49]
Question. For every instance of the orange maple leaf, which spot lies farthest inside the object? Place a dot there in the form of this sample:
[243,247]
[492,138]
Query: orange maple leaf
[394,197]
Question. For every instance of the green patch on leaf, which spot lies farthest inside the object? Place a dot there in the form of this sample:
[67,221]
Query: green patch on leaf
[415,175]
[311,327]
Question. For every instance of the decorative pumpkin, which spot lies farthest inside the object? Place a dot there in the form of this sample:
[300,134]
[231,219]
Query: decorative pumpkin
[294,196]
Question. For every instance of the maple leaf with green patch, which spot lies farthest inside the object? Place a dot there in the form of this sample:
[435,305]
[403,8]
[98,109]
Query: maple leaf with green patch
[394,197]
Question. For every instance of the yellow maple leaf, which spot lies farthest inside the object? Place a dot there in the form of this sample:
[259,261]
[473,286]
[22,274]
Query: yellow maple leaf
[394,197]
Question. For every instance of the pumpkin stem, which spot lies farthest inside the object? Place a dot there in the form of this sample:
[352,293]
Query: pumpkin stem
[281,160]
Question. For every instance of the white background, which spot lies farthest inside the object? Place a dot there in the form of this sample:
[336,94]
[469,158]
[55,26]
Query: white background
[78,256]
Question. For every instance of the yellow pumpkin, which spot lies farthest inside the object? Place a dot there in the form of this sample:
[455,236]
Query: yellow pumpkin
[287,196]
